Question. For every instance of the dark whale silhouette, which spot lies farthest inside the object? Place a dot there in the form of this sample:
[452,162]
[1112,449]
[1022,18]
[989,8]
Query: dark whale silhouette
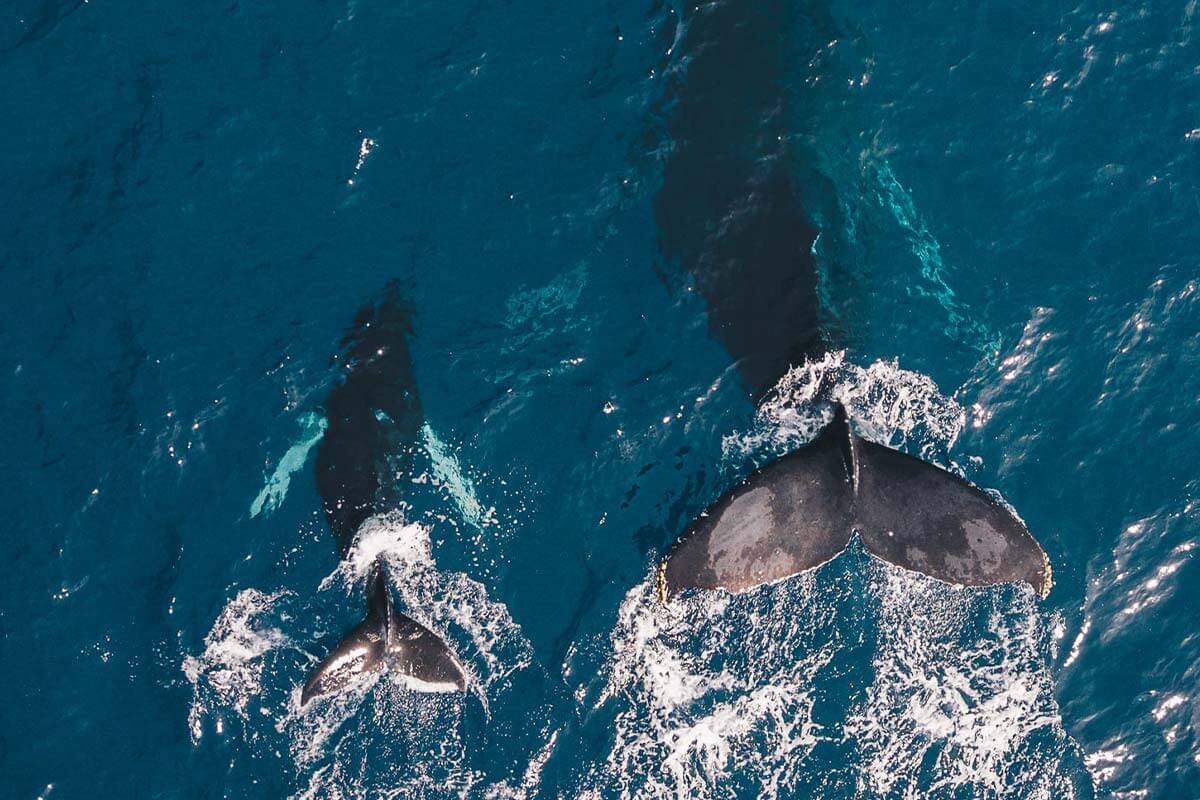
[729,213]
[728,209]
[375,419]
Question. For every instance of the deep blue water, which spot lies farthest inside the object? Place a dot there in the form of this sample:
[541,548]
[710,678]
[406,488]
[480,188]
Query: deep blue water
[198,196]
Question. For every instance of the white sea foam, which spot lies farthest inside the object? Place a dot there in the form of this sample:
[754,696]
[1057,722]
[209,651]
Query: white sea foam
[228,675]
[886,404]
[876,683]
[685,718]
[385,743]
[389,537]
[962,697]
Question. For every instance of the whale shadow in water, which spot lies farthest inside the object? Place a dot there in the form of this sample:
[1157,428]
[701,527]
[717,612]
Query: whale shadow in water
[730,214]
[729,210]
[375,418]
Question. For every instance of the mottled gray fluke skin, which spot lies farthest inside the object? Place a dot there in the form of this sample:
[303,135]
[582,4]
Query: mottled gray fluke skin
[799,511]
[375,417]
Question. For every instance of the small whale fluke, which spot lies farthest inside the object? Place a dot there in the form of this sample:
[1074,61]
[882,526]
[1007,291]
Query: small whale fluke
[799,511]
[387,640]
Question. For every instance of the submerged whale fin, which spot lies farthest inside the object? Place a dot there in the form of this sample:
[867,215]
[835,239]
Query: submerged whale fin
[799,511]
[386,640]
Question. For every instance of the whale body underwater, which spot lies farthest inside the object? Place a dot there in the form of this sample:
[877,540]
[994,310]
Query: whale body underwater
[730,216]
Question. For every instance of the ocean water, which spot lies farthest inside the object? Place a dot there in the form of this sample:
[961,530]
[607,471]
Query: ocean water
[197,197]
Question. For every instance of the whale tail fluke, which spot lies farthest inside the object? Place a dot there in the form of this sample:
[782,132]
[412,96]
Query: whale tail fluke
[386,640]
[922,518]
[800,511]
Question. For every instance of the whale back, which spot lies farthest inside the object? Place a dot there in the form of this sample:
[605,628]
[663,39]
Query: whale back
[374,419]
[728,211]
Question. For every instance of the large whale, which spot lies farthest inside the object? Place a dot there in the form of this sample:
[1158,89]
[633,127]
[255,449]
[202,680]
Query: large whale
[730,214]
[375,418]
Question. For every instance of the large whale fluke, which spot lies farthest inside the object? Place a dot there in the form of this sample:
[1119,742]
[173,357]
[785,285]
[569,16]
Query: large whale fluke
[387,640]
[787,517]
[799,511]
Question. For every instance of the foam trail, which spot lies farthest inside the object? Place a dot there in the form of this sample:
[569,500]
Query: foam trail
[388,744]
[688,710]
[858,679]
[312,428]
[963,697]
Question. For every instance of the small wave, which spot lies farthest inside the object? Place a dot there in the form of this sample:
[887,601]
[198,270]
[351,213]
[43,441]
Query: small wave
[1145,725]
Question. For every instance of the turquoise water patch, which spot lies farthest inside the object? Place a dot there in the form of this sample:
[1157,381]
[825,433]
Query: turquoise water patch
[312,428]
[449,474]
[960,324]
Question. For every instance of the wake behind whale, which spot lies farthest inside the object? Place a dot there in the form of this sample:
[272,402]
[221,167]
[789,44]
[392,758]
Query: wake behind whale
[391,691]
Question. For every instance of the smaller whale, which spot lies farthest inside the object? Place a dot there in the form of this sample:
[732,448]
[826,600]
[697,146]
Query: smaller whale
[800,511]
[375,417]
